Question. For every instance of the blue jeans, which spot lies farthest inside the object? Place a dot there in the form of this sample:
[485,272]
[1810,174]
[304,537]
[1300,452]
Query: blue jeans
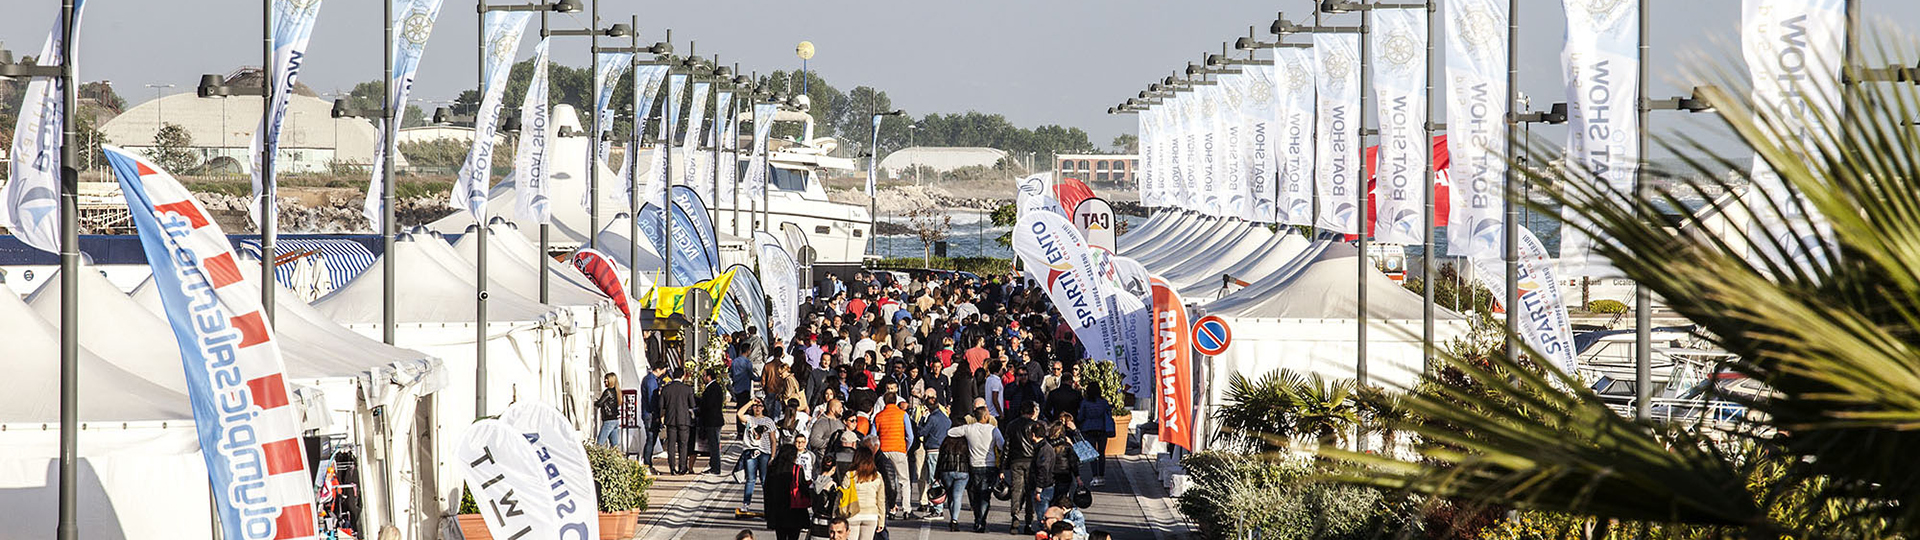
[609,429]
[956,487]
[755,464]
[1046,498]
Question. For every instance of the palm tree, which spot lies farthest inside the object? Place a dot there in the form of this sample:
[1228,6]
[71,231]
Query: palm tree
[1828,317]
[1267,413]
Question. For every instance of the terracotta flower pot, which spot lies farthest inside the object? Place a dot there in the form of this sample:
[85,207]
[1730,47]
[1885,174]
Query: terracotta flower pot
[473,527]
[619,525]
[1117,445]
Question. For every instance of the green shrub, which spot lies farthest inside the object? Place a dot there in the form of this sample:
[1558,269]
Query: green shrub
[983,266]
[622,482]
[1243,496]
[1101,376]
[1606,306]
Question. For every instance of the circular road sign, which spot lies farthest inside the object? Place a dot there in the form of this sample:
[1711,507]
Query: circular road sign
[1211,335]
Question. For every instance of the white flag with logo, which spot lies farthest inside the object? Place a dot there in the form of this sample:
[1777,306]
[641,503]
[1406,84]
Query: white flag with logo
[1058,257]
[1400,168]
[503,41]
[1208,143]
[607,69]
[1476,126]
[516,493]
[1294,100]
[1543,312]
[1602,74]
[1794,51]
[647,81]
[1232,143]
[31,209]
[1337,58]
[531,160]
[1143,176]
[1191,162]
[1261,144]
[412,25]
[292,27]
[695,173]
[722,127]
[564,461]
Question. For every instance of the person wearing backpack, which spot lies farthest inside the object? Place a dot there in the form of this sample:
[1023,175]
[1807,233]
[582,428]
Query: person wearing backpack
[951,467]
[789,498]
[1063,465]
[982,440]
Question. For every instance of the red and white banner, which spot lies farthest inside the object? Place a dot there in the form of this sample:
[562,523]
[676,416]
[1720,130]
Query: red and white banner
[236,381]
[1173,365]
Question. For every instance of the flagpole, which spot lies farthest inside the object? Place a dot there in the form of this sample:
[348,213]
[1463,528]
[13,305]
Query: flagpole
[69,278]
[639,132]
[1427,266]
[733,147]
[546,229]
[1642,298]
[1512,221]
[1366,210]
[669,109]
[480,228]
[388,225]
[593,139]
[272,146]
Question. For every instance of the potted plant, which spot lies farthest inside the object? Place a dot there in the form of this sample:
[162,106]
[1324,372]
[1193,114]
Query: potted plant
[472,525]
[622,484]
[1103,378]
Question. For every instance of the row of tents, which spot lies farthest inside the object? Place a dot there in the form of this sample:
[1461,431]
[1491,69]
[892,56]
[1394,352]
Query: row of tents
[1290,301]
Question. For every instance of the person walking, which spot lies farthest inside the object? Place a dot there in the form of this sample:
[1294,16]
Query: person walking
[789,500]
[895,430]
[1017,462]
[983,440]
[650,414]
[677,406]
[1096,425]
[713,416]
[867,511]
[1055,465]
[756,448]
[932,434]
[609,405]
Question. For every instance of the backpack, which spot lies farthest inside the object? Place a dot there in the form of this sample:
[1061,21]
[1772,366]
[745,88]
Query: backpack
[798,497]
[848,498]
[954,455]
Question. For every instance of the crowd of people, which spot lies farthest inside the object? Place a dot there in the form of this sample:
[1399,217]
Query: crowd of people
[897,399]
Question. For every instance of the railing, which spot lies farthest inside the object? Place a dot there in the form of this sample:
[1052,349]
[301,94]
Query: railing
[1713,413]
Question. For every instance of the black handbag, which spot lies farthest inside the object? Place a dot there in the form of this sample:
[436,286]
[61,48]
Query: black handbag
[1082,496]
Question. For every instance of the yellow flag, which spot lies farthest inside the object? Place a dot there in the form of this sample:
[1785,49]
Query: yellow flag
[669,300]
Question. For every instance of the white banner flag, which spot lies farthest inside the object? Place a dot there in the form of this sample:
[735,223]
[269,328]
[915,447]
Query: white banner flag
[503,42]
[1261,146]
[722,127]
[292,28]
[757,168]
[1055,255]
[1543,312]
[516,493]
[1400,95]
[1192,129]
[607,69]
[531,173]
[1174,176]
[1794,51]
[1476,125]
[1337,58]
[1294,104]
[1206,122]
[412,24]
[1602,74]
[647,81]
[1143,175]
[694,172]
[31,198]
[780,275]
[562,458]
[1232,125]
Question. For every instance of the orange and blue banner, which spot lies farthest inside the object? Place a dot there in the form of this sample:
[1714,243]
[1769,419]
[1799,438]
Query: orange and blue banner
[236,380]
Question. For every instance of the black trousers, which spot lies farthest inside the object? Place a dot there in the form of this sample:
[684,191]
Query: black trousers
[680,448]
[980,481]
[711,434]
[1019,477]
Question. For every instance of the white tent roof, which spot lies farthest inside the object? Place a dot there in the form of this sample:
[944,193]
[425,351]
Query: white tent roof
[1185,223]
[1207,260]
[1158,223]
[431,289]
[1277,252]
[1183,247]
[568,183]
[1320,285]
[107,391]
[510,267]
[142,342]
[613,242]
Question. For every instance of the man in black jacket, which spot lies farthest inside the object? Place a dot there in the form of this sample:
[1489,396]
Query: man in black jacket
[713,415]
[1018,460]
[676,407]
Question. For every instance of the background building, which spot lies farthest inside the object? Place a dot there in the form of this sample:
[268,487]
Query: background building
[939,159]
[1098,170]
[311,140]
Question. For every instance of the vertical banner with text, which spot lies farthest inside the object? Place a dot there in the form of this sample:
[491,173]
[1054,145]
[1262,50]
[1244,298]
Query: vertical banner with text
[1400,94]
[1337,58]
[1476,125]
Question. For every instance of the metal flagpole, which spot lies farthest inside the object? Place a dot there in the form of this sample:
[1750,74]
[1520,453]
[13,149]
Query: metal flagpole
[1512,220]
[388,225]
[593,139]
[669,109]
[1360,197]
[69,277]
[267,182]
[733,149]
[546,229]
[480,238]
[1427,266]
[713,149]
[633,187]
[1642,298]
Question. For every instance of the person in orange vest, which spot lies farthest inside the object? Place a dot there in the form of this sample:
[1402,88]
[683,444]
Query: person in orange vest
[894,427]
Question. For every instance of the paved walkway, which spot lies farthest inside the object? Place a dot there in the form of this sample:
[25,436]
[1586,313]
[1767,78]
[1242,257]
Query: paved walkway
[1132,506]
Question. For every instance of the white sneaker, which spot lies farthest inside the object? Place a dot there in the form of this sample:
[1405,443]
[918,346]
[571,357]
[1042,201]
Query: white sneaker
[1097,482]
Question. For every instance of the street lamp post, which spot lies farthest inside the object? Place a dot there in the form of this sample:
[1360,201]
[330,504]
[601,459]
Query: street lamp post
[159,108]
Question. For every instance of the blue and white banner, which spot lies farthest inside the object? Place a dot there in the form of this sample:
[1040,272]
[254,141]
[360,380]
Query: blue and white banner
[746,293]
[695,173]
[1232,129]
[503,42]
[1794,51]
[236,382]
[722,179]
[1206,127]
[647,81]
[510,480]
[781,276]
[607,69]
[653,225]
[30,202]
[1261,145]
[676,96]
[1400,95]
[1295,80]
[689,202]
[1603,85]
[757,168]
[531,182]
[292,27]
[1476,126]
[873,162]
[1337,58]
[412,25]
[1543,311]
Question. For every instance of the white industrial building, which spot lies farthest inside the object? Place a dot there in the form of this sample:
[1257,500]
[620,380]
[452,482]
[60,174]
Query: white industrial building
[311,140]
[939,159]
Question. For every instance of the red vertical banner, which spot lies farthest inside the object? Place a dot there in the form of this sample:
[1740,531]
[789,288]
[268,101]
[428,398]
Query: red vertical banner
[1173,365]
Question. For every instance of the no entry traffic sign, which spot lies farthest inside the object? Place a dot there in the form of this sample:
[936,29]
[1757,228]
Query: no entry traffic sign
[1211,335]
